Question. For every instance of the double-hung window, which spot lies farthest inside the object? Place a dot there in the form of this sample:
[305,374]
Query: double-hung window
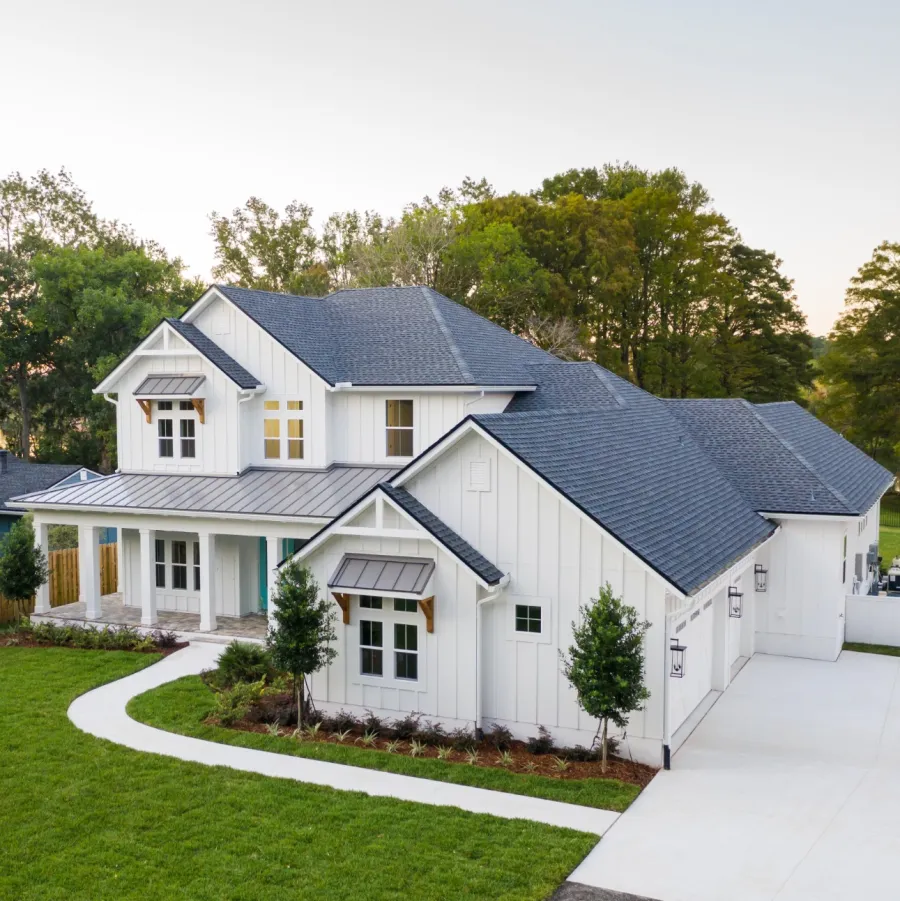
[160,557]
[371,644]
[399,428]
[186,431]
[179,564]
[388,644]
[164,430]
[283,430]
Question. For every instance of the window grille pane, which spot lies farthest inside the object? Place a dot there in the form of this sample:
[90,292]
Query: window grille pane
[370,602]
[405,637]
[196,566]
[186,428]
[164,428]
[528,618]
[270,405]
[371,662]
[295,449]
[399,442]
[273,449]
[405,605]
[179,564]
[295,404]
[400,413]
[164,405]
[185,405]
[160,563]
[407,665]
[295,428]
[272,428]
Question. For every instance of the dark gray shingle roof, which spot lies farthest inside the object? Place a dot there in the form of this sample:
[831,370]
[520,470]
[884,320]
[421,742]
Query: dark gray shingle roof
[563,386]
[391,336]
[265,492]
[636,472]
[215,354]
[454,542]
[848,471]
[23,478]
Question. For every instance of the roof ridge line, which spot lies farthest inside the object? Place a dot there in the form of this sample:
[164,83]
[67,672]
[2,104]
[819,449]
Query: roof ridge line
[458,358]
[600,373]
[837,495]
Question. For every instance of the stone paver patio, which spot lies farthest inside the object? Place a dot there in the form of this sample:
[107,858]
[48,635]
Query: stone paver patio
[115,613]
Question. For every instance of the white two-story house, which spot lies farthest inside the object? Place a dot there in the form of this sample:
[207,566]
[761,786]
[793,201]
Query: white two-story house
[458,493]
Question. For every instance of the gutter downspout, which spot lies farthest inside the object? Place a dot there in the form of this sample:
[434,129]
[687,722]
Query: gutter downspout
[667,739]
[479,652]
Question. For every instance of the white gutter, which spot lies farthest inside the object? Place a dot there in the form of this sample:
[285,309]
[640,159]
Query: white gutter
[479,653]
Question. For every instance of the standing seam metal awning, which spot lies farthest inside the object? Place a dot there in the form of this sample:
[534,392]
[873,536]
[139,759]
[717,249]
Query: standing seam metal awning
[374,573]
[173,385]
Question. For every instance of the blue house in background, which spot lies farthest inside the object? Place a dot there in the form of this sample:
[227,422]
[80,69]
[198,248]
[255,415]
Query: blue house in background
[19,477]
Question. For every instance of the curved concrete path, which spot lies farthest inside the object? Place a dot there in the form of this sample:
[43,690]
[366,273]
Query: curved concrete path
[101,712]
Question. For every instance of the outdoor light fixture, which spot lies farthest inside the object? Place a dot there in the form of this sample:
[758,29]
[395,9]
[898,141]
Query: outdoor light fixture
[761,574]
[735,602]
[677,658]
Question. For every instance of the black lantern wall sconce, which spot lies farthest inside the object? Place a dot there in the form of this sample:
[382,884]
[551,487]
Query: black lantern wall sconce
[761,577]
[735,603]
[677,650]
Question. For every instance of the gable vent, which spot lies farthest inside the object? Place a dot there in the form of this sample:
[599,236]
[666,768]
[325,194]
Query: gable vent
[479,475]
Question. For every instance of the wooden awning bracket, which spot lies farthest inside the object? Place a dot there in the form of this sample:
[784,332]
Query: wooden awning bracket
[343,601]
[146,406]
[199,404]
[427,607]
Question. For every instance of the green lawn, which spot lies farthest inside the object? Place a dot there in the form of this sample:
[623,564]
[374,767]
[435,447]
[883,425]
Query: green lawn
[182,706]
[85,820]
[888,544]
[887,649]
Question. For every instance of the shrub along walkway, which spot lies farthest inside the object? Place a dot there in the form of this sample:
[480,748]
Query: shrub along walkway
[102,712]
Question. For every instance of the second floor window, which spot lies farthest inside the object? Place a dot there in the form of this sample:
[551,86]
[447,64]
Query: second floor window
[283,430]
[186,429]
[399,428]
[188,439]
[166,442]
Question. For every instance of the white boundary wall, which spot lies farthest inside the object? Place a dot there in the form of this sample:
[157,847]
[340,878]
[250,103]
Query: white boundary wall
[873,619]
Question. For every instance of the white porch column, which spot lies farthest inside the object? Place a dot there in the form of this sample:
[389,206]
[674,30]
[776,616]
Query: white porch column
[207,542]
[273,558]
[89,569]
[42,543]
[147,576]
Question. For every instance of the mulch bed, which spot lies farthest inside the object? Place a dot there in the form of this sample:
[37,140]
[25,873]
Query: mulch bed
[14,641]
[522,759]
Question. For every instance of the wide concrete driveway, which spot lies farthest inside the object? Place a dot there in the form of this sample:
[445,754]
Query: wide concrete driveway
[788,789]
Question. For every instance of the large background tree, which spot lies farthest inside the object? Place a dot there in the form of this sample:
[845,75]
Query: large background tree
[861,365]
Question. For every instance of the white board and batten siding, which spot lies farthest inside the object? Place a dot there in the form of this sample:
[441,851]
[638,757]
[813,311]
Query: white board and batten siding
[284,376]
[558,559]
[216,440]
[358,420]
[445,690]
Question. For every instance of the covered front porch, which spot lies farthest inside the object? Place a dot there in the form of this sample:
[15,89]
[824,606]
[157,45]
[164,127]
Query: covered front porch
[114,612]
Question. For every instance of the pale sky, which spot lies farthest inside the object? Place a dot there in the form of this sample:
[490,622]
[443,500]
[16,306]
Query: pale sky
[786,111]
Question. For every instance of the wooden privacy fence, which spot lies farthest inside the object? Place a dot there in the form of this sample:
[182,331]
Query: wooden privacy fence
[64,581]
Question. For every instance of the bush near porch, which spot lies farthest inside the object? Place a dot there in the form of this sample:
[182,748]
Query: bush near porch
[87,820]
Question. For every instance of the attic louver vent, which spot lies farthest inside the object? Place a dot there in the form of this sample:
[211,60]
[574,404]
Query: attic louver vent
[479,475]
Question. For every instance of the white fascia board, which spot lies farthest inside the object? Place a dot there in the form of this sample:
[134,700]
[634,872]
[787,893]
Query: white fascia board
[827,517]
[469,426]
[107,384]
[202,302]
[173,514]
[350,388]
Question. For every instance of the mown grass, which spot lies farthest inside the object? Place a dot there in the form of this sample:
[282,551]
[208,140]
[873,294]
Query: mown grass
[181,706]
[86,820]
[888,544]
[887,650]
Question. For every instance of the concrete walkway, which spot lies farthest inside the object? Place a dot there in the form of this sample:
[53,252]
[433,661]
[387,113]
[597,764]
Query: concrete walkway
[101,712]
[788,790]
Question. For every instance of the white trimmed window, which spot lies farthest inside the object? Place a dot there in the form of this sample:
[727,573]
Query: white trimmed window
[389,641]
[160,558]
[196,566]
[179,565]
[399,428]
[283,434]
[186,429]
[371,647]
[529,618]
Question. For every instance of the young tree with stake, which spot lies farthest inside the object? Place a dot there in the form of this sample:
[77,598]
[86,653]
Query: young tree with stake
[300,638]
[606,663]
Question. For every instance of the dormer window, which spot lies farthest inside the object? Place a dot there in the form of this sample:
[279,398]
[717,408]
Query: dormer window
[283,429]
[399,428]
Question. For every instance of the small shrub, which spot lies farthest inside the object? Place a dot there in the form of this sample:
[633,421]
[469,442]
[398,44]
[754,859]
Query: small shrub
[529,766]
[312,730]
[505,759]
[367,739]
[342,721]
[432,734]
[375,724]
[407,727]
[499,736]
[542,743]
[461,739]
[244,662]
[472,757]
[164,639]
[444,753]
[393,746]
[342,736]
[416,748]
[273,728]
[560,765]
[233,704]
